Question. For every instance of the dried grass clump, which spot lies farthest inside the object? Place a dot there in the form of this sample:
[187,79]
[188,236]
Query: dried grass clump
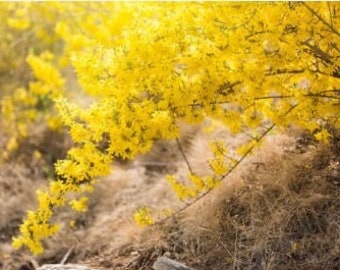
[17,195]
[280,210]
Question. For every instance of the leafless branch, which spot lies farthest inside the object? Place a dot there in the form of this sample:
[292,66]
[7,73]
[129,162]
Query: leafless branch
[330,13]
[66,256]
[184,156]
[283,71]
[312,95]
[317,52]
[321,19]
[222,178]
[273,97]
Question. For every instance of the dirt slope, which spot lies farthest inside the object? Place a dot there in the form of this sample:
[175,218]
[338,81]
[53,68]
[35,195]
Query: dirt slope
[279,210]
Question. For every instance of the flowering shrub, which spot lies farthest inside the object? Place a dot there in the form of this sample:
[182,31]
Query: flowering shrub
[29,71]
[148,66]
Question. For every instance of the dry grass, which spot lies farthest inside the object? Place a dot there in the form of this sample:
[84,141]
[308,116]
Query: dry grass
[20,177]
[279,210]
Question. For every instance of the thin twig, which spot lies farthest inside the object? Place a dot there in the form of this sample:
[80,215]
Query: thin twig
[330,13]
[321,19]
[255,34]
[311,95]
[321,96]
[34,264]
[210,103]
[273,97]
[283,71]
[318,52]
[66,256]
[331,91]
[184,156]
[187,205]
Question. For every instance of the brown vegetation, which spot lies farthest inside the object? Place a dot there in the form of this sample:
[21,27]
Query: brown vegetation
[278,210]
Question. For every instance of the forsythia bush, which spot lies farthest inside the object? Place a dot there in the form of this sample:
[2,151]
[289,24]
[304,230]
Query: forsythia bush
[248,66]
[29,74]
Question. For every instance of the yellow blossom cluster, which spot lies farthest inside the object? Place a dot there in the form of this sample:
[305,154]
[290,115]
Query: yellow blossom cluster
[29,76]
[143,217]
[26,105]
[147,66]
[198,186]
[218,163]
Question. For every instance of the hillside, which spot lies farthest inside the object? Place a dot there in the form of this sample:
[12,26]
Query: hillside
[278,210]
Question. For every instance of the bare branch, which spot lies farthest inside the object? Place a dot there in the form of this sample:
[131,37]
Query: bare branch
[330,13]
[317,52]
[307,95]
[321,19]
[284,71]
[273,97]
[67,255]
[222,178]
[321,96]
[184,156]
[331,91]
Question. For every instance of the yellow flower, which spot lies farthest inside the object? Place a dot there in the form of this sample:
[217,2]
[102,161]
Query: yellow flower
[79,205]
[12,144]
[323,136]
[143,217]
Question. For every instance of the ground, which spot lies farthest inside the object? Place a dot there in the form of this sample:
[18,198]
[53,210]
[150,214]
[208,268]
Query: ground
[278,210]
